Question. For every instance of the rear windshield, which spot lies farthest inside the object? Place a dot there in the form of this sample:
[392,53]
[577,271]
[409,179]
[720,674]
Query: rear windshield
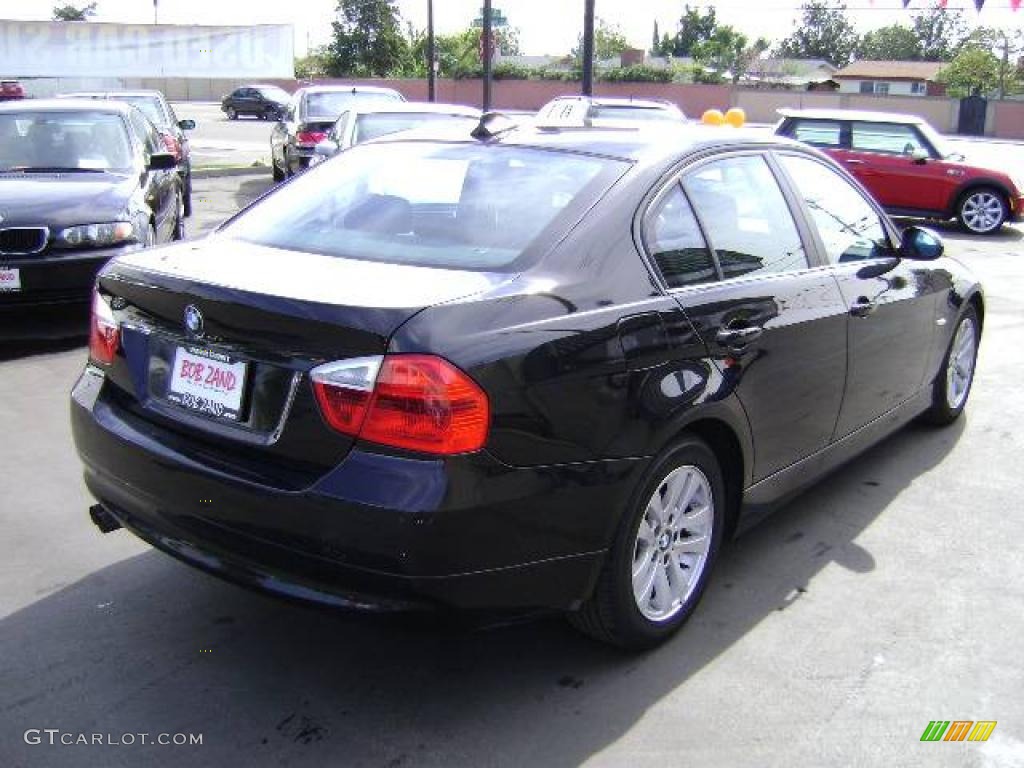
[64,141]
[327,105]
[460,206]
[374,126]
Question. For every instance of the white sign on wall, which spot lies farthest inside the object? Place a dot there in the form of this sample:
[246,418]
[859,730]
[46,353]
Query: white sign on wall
[89,49]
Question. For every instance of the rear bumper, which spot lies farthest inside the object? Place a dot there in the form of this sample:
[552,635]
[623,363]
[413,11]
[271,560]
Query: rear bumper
[378,532]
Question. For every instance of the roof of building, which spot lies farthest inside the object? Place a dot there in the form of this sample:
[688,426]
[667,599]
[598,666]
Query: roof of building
[891,70]
[785,68]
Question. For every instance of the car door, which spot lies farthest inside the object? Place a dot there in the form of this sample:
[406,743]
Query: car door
[891,303]
[773,320]
[159,187]
[889,159]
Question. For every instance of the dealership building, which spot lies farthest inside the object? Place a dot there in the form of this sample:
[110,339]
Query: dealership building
[186,62]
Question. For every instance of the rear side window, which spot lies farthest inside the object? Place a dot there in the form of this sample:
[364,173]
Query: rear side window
[463,206]
[820,133]
[849,227]
[745,217]
[675,242]
[891,138]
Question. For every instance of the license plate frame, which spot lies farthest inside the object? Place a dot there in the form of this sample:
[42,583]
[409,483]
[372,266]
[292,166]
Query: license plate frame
[208,382]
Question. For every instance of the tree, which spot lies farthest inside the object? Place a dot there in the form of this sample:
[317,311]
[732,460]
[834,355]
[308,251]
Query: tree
[508,41]
[1006,48]
[825,32]
[726,53]
[893,43]
[694,28]
[940,32]
[609,42]
[655,41]
[69,12]
[973,70]
[368,41]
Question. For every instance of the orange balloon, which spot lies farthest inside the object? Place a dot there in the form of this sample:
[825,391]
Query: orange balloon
[713,117]
[736,117]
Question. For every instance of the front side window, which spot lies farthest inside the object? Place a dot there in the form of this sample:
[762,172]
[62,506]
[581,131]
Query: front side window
[745,217]
[149,106]
[675,242]
[464,206]
[65,141]
[890,138]
[849,227]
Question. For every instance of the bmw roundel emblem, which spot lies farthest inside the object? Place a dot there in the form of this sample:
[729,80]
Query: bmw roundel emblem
[194,321]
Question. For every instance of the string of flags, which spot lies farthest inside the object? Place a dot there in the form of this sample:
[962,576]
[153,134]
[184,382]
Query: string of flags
[979,4]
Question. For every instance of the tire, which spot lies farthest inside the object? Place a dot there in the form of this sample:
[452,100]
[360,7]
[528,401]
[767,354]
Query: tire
[232,113]
[179,220]
[269,114]
[952,386]
[276,169]
[630,614]
[188,193]
[982,211]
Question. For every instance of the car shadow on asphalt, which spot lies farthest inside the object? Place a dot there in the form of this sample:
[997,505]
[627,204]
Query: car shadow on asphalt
[150,645]
[253,188]
[44,332]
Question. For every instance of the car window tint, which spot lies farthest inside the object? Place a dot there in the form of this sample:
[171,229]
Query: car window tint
[464,206]
[745,217]
[849,227]
[676,243]
[73,140]
[886,137]
[820,133]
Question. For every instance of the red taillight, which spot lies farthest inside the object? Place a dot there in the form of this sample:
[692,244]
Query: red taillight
[310,138]
[104,333]
[172,145]
[418,402]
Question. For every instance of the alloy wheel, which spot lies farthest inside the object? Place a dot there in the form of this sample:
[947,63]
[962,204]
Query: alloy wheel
[982,212]
[960,368]
[672,543]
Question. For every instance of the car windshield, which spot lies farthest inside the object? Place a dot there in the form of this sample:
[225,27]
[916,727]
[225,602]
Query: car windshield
[633,112]
[275,94]
[462,206]
[938,141]
[374,126]
[148,105]
[330,104]
[66,141]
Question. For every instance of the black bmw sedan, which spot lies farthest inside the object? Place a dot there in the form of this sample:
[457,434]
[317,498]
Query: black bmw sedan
[532,368]
[80,181]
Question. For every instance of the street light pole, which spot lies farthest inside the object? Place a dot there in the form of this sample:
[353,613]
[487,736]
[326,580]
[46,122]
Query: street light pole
[487,37]
[156,20]
[431,73]
[588,47]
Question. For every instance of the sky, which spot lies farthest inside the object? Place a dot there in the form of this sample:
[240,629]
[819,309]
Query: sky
[546,26]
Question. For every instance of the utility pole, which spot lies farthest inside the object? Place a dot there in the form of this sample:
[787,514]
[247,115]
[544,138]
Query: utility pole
[431,54]
[156,19]
[588,47]
[488,33]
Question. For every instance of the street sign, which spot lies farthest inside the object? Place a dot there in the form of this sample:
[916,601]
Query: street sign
[498,19]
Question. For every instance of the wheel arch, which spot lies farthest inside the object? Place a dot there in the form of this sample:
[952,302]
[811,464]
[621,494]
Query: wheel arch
[724,441]
[972,185]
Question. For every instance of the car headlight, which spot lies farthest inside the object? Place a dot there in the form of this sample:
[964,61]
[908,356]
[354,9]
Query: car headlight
[97,235]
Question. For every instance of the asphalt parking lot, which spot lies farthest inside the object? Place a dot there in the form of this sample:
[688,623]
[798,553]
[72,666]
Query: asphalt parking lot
[889,596]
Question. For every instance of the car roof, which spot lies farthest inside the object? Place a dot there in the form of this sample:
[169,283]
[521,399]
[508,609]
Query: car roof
[347,89]
[110,94]
[628,101]
[70,104]
[415,107]
[852,114]
[647,144]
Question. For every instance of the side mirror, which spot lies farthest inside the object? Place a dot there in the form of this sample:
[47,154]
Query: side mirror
[919,156]
[325,148]
[187,125]
[920,244]
[162,161]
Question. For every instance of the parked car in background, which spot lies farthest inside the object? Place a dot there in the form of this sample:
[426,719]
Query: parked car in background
[909,167]
[80,181]
[11,90]
[309,116]
[375,119]
[514,368]
[154,105]
[597,110]
[266,102]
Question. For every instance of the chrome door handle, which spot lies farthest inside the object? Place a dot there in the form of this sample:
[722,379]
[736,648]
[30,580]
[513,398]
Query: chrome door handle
[851,161]
[737,338]
[863,307]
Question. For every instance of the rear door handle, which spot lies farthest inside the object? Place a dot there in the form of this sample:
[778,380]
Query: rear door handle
[863,307]
[737,338]
[851,161]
